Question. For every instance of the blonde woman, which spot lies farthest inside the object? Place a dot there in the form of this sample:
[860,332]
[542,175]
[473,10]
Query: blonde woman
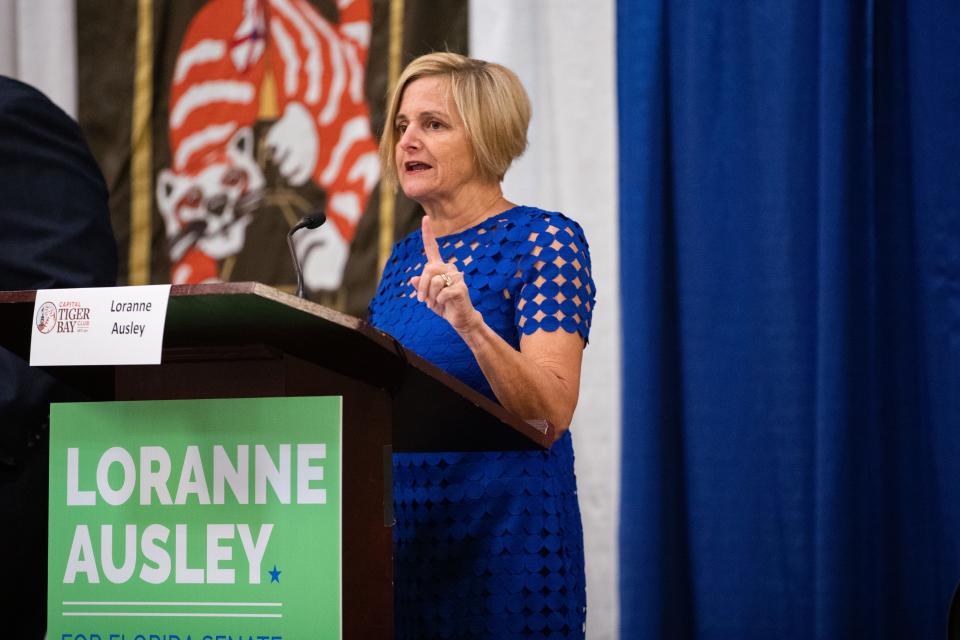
[500,296]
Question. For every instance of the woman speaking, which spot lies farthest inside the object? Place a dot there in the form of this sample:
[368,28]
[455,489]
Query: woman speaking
[487,545]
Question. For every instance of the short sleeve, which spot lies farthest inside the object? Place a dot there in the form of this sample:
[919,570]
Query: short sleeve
[558,290]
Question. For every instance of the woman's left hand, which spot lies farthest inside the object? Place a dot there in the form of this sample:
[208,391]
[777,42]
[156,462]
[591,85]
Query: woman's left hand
[441,286]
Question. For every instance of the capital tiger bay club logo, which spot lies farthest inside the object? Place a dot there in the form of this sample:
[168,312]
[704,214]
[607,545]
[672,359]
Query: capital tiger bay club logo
[67,317]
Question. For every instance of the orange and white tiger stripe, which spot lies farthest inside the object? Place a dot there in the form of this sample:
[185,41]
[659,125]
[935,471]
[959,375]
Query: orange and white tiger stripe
[318,72]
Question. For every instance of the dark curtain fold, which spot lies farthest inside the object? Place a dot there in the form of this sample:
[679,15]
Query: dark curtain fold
[790,238]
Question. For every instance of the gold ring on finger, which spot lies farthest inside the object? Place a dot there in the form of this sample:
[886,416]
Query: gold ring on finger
[447,280]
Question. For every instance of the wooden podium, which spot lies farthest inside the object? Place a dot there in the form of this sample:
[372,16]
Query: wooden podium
[242,340]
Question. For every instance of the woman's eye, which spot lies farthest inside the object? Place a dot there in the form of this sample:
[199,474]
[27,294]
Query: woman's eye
[401,127]
[433,124]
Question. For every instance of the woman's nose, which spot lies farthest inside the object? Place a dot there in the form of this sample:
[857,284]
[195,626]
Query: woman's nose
[409,138]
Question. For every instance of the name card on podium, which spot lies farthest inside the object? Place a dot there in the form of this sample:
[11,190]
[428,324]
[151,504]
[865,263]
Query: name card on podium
[99,326]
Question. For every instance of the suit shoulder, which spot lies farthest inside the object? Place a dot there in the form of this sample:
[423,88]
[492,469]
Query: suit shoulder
[14,91]
[18,97]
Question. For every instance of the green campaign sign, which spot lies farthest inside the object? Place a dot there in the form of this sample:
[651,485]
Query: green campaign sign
[195,519]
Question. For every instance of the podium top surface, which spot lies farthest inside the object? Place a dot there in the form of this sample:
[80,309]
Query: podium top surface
[438,411]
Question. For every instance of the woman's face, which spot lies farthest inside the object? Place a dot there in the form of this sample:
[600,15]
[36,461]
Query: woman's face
[433,156]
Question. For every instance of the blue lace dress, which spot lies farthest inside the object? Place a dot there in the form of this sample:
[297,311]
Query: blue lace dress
[490,545]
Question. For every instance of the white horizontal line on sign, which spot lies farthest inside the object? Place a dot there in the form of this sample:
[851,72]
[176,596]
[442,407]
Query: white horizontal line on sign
[169,614]
[110,603]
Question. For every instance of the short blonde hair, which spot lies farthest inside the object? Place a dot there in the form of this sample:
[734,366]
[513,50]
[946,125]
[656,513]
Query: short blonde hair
[492,103]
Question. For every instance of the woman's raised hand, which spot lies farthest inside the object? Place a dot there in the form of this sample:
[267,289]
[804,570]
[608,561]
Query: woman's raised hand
[440,285]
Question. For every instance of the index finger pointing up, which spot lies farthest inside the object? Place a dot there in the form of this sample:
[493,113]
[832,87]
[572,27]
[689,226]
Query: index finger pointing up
[430,246]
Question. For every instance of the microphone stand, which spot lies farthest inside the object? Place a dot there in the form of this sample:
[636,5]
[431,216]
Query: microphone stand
[311,221]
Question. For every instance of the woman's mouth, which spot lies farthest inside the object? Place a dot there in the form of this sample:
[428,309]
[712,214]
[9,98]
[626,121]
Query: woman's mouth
[414,166]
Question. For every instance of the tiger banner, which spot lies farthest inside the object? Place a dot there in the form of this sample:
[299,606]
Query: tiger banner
[220,123]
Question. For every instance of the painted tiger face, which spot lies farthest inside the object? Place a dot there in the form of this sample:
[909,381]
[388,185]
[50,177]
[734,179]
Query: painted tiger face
[211,210]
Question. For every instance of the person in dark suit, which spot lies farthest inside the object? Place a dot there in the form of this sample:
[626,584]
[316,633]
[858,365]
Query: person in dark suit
[54,233]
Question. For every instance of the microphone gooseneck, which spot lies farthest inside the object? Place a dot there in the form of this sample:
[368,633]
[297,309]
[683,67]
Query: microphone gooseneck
[310,221]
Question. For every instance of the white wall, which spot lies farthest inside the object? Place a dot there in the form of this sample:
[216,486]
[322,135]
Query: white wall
[38,45]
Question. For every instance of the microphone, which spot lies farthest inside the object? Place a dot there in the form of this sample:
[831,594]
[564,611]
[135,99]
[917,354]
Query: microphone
[311,221]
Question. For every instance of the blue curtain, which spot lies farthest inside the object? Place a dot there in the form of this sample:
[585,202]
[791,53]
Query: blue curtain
[790,224]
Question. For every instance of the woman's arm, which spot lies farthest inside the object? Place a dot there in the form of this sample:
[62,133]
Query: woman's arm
[541,380]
